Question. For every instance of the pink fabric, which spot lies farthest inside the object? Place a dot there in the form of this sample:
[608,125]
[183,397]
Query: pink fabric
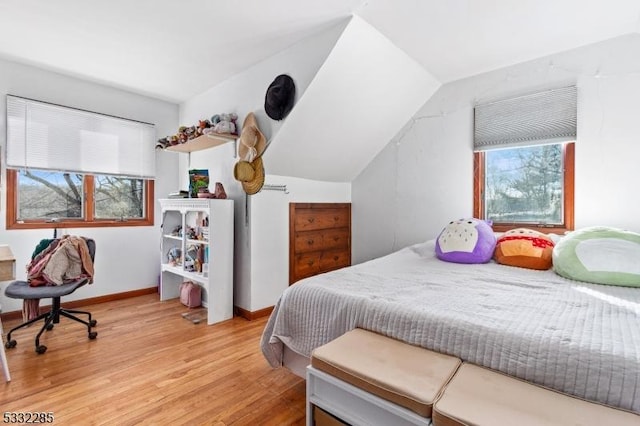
[37,264]
[30,309]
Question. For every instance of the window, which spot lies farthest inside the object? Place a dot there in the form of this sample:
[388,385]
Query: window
[77,167]
[524,161]
[526,187]
[35,198]
[49,195]
[118,197]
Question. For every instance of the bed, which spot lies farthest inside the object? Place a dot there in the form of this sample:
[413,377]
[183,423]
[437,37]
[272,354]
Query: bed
[579,338]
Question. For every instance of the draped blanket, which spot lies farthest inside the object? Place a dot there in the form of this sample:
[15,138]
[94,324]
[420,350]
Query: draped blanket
[63,260]
[578,338]
[57,262]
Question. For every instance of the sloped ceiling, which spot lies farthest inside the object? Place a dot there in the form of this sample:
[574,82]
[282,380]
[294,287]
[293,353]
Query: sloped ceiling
[168,49]
[174,50]
[363,93]
[454,39]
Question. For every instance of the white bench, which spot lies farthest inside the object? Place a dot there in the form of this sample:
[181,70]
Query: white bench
[363,378]
[479,396]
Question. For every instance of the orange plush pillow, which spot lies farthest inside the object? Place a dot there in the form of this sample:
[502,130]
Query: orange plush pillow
[525,248]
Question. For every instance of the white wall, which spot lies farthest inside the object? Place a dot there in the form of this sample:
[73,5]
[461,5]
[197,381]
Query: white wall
[127,257]
[269,230]
[426,172]
[242,94]
[363,93]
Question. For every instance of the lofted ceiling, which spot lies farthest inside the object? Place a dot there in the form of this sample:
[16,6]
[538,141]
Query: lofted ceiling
[365,91]
[174,50]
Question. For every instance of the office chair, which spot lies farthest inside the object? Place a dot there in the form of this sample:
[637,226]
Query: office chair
[22,290]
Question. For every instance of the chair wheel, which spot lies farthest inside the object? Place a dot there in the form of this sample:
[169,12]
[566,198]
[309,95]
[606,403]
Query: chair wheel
[93,323]
[93,335]
[41,349]
[10,344]
[50,327]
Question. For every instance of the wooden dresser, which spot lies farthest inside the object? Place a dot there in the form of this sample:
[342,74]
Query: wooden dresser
[319,238]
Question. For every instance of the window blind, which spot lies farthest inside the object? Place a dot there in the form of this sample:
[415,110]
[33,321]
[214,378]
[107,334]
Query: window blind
[53,137]
[545,117]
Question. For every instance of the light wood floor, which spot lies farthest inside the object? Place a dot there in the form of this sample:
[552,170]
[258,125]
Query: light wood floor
[150,366]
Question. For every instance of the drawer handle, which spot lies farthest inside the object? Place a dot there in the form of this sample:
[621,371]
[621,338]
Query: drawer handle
[336,238]
[310,263]
[336,258]
[311,219]
[310,242]
[336,218]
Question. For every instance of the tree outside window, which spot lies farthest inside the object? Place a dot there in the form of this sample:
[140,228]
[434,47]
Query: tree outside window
[37,197]
[524,185]
[527,186]
[49,195]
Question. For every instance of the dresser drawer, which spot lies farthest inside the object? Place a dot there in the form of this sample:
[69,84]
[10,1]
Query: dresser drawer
[321,240]
[334,259]
[312,219]
[335,238]
[306,265]
[308,241]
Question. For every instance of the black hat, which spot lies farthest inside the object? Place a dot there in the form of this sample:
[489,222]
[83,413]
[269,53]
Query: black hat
[279,98]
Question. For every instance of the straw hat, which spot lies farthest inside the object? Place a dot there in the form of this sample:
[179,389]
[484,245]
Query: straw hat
[250,174]
[252,141]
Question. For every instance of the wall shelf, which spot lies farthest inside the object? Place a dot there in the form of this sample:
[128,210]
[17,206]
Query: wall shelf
[203,142]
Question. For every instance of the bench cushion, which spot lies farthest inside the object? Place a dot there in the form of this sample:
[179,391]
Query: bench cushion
[480,396]
[406,375]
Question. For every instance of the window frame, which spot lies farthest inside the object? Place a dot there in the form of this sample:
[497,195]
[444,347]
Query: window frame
[479,174]
[89,221]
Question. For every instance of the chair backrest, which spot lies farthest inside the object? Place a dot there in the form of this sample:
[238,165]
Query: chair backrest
[91,245]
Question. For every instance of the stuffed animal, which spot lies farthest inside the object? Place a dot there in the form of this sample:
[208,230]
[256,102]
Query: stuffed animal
[600,255]
[191,132]
[202,124]
[174,256]
[162,143]
[182,134]
[223,123]
[524,248]
[466,241]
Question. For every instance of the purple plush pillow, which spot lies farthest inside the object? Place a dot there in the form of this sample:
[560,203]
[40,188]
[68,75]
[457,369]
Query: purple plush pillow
[466,241]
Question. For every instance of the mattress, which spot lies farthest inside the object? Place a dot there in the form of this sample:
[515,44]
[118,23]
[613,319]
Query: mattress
[579,338]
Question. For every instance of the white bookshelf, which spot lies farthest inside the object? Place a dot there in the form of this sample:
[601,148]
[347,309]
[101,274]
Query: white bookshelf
[199,229]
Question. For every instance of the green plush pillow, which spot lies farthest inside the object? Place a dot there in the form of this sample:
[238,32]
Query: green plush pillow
[600,255]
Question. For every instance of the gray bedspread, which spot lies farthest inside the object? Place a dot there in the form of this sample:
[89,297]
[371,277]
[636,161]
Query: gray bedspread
[578,338]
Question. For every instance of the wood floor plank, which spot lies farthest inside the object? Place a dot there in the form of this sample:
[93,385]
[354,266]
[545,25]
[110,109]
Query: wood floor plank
[151,366]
